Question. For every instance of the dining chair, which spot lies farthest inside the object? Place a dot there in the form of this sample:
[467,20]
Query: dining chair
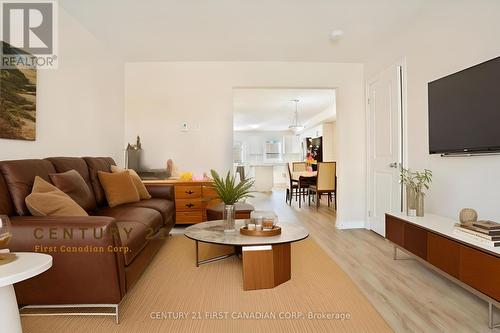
[294,185]
[299,166]
[304,183]
[326,183]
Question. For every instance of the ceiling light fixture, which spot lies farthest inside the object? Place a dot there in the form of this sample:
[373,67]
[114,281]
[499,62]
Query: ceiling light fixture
[296,126]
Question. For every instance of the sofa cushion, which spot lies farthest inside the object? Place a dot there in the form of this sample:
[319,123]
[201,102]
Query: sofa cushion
[63,164]
[19,176]
[118,187]
[96,164]
[6,207]
[73,184]
[48,200]
[150,218]
[133,235]
[141,189]
[165,207]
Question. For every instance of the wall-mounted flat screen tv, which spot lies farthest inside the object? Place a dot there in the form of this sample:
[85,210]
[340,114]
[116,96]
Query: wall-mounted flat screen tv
[464,111]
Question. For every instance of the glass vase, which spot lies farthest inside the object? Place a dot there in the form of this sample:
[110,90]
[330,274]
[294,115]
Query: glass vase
[411,201]
[5,237]
[420,204]
[229,217]
[5,234]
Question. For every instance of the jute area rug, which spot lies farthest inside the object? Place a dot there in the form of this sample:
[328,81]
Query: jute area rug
[175,296]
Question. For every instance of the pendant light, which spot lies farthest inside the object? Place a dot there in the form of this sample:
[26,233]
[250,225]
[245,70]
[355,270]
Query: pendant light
[296,126]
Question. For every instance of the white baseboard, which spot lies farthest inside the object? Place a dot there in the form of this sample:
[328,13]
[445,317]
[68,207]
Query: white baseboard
[350,225]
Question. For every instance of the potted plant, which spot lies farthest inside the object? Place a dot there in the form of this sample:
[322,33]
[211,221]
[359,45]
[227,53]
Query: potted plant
[230,193]
[415,182]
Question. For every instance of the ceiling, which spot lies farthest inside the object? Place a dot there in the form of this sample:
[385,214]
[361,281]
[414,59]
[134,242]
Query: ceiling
[273,110]
[243,30]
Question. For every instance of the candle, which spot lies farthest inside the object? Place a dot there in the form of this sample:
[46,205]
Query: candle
[251,226]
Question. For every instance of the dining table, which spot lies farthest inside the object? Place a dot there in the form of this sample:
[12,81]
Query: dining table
[296,175]
[304,178]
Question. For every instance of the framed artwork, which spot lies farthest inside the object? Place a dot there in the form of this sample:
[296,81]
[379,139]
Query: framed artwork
[17,102]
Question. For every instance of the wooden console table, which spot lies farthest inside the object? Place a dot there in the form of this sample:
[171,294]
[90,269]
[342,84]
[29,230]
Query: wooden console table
[469,263]
[192,198]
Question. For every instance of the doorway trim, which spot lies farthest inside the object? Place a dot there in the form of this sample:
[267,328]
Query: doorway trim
[403,121]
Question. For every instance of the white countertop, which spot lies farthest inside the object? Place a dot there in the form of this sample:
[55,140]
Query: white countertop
[270,164]
[445,226]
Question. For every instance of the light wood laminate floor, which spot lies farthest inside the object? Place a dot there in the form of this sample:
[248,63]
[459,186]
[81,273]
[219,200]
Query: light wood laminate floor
[410,296]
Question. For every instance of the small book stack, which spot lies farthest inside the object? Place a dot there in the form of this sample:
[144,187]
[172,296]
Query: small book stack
[486,232]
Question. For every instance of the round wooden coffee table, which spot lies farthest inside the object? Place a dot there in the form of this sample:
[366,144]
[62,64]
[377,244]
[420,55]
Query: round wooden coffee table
[266,260]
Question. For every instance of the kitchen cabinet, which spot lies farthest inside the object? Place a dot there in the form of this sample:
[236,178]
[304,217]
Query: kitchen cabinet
[255,145]
[291,144]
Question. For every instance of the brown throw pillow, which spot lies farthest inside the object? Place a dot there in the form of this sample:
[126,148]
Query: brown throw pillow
[118,187]
[139,185]
[47,200]
[73,184]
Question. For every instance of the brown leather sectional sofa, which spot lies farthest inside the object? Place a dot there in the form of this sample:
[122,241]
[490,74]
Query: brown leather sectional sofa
[81,273]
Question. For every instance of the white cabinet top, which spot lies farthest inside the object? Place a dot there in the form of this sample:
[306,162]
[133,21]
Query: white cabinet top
[25,266]
[445,226]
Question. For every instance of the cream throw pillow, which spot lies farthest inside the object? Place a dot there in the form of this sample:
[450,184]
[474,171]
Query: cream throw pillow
[118,187]
[139,185]
[47,200]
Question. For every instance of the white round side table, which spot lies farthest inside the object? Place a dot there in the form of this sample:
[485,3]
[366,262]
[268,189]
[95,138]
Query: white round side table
[25,266]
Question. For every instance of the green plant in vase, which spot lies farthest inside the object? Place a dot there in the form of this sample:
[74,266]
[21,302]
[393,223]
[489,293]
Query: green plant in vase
[230,192]
[415,182]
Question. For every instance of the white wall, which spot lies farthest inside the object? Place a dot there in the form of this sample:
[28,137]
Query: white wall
[79,105]
[446,40]
[329,142]
[159,97]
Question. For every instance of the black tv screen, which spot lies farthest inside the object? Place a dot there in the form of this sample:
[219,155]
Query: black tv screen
[464,110]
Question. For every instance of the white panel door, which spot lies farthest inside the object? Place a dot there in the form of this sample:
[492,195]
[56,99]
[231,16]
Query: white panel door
[384,146]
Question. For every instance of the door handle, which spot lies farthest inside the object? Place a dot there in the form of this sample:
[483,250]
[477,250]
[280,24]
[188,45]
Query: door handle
[189,205]
[394,165]
[189,192]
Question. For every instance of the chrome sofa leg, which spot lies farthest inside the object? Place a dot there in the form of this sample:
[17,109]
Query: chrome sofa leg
[69,312]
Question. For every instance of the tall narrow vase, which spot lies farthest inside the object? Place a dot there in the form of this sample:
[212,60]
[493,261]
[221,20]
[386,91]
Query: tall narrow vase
[420,203]
[229,217]
[5,237]
[5,233]
[411,201]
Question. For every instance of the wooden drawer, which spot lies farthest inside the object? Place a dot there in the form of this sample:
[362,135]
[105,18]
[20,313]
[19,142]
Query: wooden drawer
[443,253]
[184,192]
[209,192]
[189,217]
[394,230]
[415,240]
[480,270]
[183,205]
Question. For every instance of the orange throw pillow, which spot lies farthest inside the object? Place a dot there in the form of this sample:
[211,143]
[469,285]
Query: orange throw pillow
[118,187]
[47,200]
[139,185]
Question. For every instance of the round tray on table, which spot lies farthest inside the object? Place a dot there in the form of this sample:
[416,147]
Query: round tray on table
[262,233]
